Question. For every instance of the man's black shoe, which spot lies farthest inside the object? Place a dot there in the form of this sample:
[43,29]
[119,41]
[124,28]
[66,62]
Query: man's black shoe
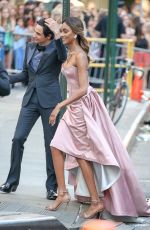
[51,195]
[7,188]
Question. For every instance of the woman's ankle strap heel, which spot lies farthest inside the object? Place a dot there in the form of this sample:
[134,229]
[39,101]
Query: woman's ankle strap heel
[94,211]
[62,198]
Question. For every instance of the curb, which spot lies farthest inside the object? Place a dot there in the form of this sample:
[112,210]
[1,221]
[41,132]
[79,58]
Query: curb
[128,140]
[22,221]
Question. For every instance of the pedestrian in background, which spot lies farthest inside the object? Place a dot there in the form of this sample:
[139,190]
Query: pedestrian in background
[20,40]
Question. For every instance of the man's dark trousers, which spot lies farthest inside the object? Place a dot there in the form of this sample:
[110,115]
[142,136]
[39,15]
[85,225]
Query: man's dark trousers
[27,118]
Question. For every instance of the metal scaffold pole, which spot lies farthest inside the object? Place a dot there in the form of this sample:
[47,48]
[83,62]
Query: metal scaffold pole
[66,9]
[110,49]
[63,83]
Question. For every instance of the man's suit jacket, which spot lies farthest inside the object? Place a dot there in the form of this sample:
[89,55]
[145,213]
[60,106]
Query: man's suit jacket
[4,82]
[46,78]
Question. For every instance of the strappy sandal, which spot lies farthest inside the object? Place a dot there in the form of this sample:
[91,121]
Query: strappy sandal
[62,198]
[92,212]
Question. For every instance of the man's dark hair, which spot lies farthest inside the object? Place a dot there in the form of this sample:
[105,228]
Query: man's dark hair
[46,29]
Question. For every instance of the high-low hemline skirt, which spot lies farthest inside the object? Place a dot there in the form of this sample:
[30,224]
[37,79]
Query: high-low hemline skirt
[87,132]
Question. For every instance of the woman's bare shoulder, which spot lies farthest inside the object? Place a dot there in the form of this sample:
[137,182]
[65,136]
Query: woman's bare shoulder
[81,54]
[81,58]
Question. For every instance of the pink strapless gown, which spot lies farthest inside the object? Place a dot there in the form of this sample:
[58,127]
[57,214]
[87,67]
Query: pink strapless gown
[86,131]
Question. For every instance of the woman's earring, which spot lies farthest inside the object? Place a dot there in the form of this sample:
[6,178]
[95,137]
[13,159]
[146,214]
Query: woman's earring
[75,36]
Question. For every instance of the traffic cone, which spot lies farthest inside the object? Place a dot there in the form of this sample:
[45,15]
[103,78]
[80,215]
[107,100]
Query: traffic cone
[137,85]
[100,225]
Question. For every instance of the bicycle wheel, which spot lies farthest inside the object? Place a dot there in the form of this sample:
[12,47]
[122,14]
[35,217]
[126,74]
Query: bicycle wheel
[117,104]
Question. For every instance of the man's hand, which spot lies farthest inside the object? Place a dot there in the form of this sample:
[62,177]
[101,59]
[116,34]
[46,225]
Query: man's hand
[54,27]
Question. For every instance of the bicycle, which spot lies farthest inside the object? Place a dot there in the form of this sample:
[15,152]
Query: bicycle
[117,104]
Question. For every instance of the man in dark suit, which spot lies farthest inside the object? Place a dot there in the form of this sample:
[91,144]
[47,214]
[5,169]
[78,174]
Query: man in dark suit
[4,82]
[42,65]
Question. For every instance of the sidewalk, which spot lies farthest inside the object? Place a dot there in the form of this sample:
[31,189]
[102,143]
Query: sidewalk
[30,195]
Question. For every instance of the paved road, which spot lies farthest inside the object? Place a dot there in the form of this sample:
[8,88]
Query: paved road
[140,154]
[30,195]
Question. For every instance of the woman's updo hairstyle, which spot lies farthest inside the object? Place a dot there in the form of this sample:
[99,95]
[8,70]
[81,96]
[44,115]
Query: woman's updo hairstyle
[77,27]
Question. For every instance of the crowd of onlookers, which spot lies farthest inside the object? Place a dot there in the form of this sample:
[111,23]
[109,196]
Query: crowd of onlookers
[18,21]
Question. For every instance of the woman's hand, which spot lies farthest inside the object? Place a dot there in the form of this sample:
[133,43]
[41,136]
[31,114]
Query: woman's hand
[53,25]
[53,116]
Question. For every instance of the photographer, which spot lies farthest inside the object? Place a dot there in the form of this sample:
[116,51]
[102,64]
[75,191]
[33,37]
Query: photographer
[4,82]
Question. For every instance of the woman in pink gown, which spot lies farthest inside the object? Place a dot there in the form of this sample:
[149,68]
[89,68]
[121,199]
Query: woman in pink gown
[99,165]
